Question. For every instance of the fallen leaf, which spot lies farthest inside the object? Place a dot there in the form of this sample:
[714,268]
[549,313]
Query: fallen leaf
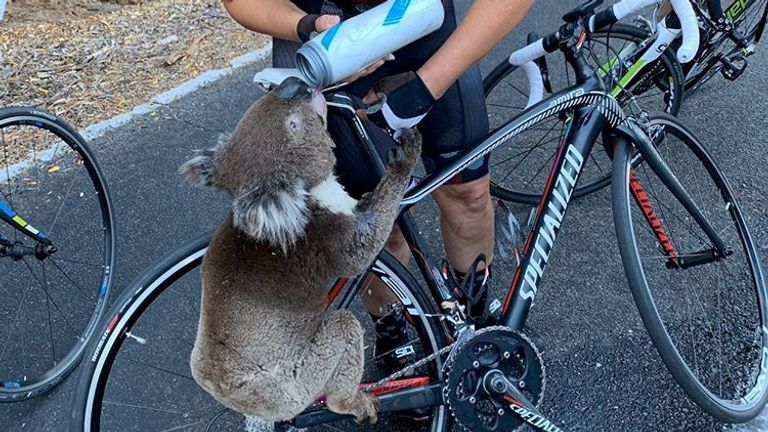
[54,169]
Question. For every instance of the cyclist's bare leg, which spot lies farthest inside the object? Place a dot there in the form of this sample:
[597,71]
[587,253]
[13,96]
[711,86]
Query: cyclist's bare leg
[376,296]
[466,221]
[467,226]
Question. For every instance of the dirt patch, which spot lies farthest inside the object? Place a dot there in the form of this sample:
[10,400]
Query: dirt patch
[88,61]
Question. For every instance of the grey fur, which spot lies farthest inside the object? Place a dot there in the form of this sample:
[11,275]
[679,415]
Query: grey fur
[265,344]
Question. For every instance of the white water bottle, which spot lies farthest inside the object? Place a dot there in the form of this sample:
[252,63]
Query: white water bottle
[354,44]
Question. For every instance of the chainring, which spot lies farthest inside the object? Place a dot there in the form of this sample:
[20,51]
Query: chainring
[492,348]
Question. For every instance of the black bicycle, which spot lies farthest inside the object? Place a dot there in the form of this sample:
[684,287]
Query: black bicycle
[642,74]
[56,250]
[730,32]
[689,257]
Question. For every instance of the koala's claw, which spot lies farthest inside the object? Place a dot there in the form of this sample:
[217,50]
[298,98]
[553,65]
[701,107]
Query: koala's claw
[405,155]
[410,140]
[369,412]
[397,155]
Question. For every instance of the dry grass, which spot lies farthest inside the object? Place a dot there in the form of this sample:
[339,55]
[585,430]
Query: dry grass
[88,61]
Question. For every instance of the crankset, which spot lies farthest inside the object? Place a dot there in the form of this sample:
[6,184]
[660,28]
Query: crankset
[496,380]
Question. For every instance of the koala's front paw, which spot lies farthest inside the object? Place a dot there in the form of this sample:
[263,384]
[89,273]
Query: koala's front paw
[410,140]
[404,157]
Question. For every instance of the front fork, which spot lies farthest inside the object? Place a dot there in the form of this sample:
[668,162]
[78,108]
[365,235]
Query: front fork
[16,250]
[647,149]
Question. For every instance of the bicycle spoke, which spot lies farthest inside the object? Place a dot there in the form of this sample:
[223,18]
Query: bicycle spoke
[22,302]
[161,369]
[48,310]
[184,426]
[69,260]
[56,306]
[146,407]
[74,284]
[525,95]
[61,205]
[516,108]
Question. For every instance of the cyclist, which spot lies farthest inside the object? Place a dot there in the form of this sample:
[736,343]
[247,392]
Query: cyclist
[441,91]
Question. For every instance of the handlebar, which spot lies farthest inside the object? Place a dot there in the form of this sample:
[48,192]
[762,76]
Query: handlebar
[524,57]
[683,9]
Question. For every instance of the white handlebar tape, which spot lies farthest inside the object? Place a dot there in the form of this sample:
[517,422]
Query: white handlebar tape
[690,25]
[524,58]
[626,8]
[527,54]
[535,83]
[684,11]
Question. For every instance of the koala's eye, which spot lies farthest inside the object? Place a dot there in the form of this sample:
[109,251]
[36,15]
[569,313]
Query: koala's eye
[294,124]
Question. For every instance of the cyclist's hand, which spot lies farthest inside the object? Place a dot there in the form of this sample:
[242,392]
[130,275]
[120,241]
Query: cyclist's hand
[311,24]
[399,102]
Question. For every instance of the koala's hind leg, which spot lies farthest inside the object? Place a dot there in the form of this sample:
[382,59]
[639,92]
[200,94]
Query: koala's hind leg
[341,338]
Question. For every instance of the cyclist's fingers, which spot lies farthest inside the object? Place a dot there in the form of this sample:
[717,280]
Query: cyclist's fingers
[371,98]
[367,71]
[324,22]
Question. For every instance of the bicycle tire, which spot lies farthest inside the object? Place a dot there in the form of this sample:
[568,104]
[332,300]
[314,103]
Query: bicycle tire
[150,286]
[33,119]
[735,402]
[587,185]
[753,33]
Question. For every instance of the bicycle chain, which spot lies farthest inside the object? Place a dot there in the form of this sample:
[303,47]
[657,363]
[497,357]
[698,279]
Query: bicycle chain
[408,368]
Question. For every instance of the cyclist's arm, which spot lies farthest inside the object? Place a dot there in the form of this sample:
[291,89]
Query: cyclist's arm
[485,24]
[277,18]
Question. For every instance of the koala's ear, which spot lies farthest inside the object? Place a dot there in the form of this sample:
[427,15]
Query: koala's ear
[201,170]
[274,210]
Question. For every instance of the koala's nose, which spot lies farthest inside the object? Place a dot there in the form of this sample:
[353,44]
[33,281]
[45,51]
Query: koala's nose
[293,87]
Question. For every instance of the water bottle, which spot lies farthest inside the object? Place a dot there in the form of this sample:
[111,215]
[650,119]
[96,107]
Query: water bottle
[351,45]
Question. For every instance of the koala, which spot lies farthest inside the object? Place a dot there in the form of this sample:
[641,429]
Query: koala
[266,345]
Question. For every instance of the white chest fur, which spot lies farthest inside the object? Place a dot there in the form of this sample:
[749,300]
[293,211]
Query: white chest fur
[331,195]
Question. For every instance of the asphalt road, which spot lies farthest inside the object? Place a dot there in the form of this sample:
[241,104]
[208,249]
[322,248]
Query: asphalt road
[603,371]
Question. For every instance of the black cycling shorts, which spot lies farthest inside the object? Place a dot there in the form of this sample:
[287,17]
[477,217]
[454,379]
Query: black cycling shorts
[456,122]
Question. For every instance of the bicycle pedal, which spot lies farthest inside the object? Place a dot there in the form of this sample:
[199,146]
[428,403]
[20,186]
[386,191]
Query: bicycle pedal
[734,66]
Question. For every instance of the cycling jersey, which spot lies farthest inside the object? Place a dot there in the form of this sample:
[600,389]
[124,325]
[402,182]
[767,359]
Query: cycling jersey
[456,121]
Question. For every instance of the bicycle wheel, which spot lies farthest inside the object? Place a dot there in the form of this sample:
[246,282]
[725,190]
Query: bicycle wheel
[748,18]
[51,295]
[150,336]
[706,316]
[517,173]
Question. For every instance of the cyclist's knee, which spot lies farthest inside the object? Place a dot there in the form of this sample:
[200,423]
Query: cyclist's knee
[466,199]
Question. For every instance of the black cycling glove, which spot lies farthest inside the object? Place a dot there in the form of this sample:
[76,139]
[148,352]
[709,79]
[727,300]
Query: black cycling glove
[306,26]
[402,107]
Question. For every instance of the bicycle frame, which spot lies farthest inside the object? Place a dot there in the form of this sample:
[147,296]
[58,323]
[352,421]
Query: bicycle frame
[19,224]
[661,41]
[595,112]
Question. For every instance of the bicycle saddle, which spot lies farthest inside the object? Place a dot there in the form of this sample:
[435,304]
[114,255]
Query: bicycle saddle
[271,77]
[583,11]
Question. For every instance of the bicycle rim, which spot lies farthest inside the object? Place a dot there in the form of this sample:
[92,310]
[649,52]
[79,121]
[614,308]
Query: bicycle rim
[519,170]
[150,338]
[707,321]
[50,305]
